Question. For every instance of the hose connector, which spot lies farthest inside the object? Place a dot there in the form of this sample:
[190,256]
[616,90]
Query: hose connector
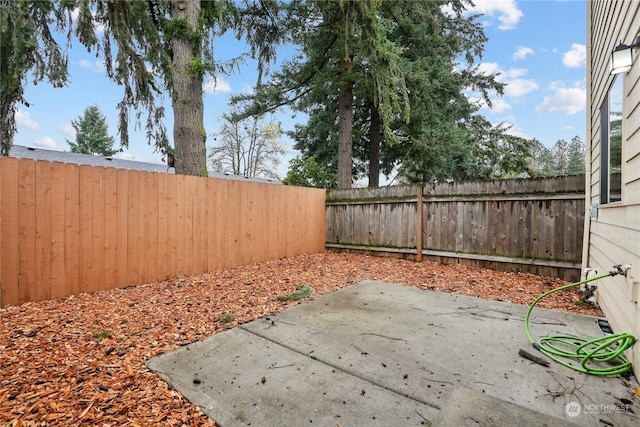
[621,269]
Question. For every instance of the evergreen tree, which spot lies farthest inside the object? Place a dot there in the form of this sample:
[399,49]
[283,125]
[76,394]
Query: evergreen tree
[339,41]
[27,45]
[541,161]
[576,157]
[446,138]
[306,172]
[562,159]
[92,134]
[404,110]
[150,48]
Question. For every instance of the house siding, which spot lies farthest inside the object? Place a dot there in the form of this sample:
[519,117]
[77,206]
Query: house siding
[613,237]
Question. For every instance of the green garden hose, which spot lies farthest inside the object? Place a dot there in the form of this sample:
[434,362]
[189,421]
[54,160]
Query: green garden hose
[607,349]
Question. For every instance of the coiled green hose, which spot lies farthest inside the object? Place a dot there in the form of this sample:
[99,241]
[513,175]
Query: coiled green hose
[604,349]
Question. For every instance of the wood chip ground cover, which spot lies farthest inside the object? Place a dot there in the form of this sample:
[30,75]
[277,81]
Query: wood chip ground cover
[81,360]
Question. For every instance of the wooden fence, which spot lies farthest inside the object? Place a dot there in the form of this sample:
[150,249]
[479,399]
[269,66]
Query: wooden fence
[533,225]
[67,229]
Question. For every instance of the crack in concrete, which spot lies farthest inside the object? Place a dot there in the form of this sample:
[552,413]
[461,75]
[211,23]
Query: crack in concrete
[343,370]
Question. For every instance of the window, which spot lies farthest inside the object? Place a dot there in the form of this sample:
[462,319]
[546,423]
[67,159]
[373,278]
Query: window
[611,145]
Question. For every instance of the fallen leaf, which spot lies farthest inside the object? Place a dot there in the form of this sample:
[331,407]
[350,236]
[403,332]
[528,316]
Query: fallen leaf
[63,375]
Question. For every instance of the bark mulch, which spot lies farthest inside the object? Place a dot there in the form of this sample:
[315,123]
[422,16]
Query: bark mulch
[80,360]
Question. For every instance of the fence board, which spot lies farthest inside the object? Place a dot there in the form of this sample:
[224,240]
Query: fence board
[281,220]
[164,268]
[189,229]
[220,194]
[133,228]
[269,221]
[72,230]
[110,227]
[43,231]
[170,239]
[26,232]
[260,232]
[294,199]
[122,228]
[233,220]
[9,217]
[57,257]
[518,220]
[151,186]
[98,219]
[86,228]
[199,207]
[67,229]
[245,213]
[145,232]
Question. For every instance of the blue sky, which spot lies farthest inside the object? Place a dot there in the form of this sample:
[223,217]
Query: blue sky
[537,46]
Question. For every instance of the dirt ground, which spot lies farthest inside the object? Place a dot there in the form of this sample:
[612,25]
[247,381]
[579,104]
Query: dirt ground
[81,360]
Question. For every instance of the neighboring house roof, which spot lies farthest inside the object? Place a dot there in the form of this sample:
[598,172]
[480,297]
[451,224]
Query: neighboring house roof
[21,152]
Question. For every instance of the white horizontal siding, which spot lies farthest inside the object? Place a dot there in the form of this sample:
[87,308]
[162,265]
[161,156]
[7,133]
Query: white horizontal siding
[614,236]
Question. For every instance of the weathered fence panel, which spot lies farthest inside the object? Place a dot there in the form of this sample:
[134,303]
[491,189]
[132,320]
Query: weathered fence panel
[67,229]
[531,225]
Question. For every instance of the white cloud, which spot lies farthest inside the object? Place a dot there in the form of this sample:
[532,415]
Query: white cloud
[506,10]
[68,130]
[487,68]
[513,73]
[576,57]
[521,53]
[519,87]
[217,85]
[24,120]
[567,100]
[499,105]
[45,142]
[97,66]
[516,85]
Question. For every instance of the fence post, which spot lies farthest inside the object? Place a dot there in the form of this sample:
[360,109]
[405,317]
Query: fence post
[419,225]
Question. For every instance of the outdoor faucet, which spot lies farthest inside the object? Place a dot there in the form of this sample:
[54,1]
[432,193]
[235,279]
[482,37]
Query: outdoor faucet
[620,269]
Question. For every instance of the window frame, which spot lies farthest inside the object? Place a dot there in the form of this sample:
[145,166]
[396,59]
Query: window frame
[605,146]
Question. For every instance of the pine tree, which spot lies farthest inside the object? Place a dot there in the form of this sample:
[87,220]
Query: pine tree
[150,48]
[576,161]
[27,45]
[306,172]
[92,134]
[562,159]
[340,40]
[384,89]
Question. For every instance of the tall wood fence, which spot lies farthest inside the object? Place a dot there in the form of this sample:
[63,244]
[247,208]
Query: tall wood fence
[529,225]
[67,229]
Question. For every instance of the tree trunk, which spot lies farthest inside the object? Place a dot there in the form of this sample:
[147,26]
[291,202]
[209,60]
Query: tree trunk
[374,147]
[189,136]
[345,125]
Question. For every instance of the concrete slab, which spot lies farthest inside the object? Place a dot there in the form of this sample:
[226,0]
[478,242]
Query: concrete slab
[470,408]
[381,354]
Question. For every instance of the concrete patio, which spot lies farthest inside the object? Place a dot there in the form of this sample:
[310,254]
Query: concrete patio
[378,354]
